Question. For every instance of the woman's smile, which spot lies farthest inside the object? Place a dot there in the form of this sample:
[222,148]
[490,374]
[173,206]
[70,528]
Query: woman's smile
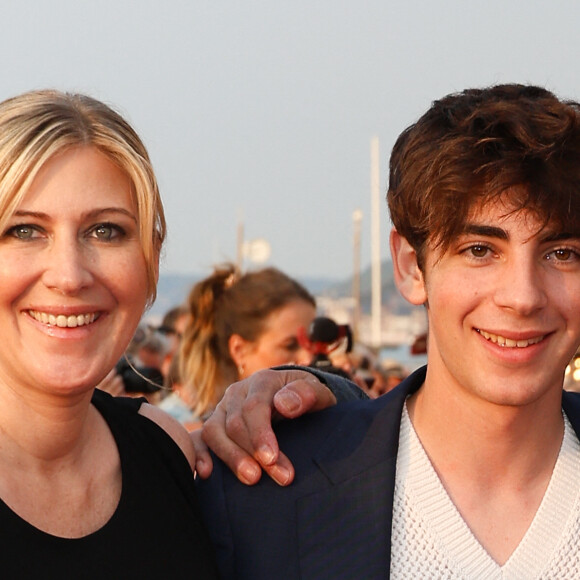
[64,320]
[75,278]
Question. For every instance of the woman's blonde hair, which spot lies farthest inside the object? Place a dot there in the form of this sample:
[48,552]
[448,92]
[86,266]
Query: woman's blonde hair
[223,304]
[37,125]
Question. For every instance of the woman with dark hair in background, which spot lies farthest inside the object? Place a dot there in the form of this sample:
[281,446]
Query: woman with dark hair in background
[240,324]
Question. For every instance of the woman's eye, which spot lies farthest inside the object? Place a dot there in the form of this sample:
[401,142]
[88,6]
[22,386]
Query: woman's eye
[22,232]
[107,232]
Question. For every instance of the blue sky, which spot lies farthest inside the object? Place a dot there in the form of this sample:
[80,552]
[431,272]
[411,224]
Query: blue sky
[266,109]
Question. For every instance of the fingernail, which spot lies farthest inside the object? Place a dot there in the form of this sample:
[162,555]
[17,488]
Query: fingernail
[280,475]
[266,455]
[248,473]
[288,400]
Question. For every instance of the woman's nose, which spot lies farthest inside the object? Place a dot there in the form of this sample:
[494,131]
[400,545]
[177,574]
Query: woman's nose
[67,267]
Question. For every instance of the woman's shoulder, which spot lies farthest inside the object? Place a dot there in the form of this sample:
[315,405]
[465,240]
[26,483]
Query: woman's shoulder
[173,428]
[123,413]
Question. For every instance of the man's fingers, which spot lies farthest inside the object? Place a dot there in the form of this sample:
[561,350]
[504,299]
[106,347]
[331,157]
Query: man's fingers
[240,431]
[238,460]
[303,396]
[203,462]
[251,427]
[245,413]
[282,472]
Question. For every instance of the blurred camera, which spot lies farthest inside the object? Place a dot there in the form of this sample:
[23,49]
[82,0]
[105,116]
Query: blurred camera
[138,379]
[323,337]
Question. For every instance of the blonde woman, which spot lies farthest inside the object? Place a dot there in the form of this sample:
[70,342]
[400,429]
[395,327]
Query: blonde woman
[87,482]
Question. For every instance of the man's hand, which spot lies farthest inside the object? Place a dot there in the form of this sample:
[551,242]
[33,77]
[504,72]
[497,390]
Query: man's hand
[240,429]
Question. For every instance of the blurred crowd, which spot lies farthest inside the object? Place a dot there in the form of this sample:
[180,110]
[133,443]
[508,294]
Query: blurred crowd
[231,325]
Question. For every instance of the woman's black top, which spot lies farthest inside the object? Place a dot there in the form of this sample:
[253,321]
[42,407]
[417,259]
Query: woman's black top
[155,533]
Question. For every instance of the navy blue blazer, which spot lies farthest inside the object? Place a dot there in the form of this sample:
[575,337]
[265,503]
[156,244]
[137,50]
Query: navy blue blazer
[334,521]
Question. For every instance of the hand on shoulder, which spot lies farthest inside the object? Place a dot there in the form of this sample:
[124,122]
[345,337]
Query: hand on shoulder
[240,429]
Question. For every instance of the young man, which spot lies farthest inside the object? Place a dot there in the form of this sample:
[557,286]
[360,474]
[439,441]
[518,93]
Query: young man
[471,467]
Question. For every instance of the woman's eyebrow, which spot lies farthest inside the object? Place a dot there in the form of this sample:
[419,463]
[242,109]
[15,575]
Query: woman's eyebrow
[91,214]
[105,210]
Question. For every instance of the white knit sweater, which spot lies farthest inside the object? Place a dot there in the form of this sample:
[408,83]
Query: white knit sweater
[431,540]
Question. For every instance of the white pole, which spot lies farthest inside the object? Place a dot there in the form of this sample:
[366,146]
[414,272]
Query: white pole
[356,221]
[375,245]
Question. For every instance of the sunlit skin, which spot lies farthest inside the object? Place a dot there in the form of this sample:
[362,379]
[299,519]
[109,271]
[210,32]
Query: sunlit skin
[70,250]
[503,310]
[278,343]
[74,287]
[502,305]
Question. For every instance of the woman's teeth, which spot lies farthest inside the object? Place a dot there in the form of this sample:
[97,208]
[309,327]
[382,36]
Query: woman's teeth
[63,321]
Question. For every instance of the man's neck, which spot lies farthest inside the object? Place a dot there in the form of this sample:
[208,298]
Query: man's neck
[494,461]
[484,440]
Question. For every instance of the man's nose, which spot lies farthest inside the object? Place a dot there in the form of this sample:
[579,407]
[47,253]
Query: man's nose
[521,287]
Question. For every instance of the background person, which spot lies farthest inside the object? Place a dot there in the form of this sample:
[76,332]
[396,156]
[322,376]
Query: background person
[172,327]
[145,365]
[179,401]
[241,323]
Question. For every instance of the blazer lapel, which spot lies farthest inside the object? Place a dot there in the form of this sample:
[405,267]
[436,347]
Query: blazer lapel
[344,531]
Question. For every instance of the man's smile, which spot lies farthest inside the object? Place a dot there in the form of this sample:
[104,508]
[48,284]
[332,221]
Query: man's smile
[509,342]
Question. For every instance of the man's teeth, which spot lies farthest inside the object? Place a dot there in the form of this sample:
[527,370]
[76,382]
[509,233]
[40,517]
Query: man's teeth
[502,341]
[63,321]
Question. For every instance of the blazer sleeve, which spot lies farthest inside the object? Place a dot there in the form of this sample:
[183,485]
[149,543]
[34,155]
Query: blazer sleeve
[343,389]
[214,511]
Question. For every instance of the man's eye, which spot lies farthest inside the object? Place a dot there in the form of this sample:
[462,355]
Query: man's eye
[564,255]
[479,251]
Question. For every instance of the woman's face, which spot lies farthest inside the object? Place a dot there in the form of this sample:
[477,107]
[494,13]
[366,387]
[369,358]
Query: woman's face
[73,276]
[278,344]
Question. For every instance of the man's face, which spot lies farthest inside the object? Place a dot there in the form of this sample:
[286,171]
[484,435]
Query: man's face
[503,305]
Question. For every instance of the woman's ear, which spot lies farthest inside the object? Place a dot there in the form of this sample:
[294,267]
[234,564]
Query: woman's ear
[238,348]
[408,276]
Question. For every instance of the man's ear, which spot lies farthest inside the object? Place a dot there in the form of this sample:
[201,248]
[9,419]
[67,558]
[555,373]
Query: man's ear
[408,276]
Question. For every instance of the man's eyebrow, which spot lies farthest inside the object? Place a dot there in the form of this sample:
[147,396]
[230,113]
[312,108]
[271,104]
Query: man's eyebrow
[486,231]
[499,233]
[557,236]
